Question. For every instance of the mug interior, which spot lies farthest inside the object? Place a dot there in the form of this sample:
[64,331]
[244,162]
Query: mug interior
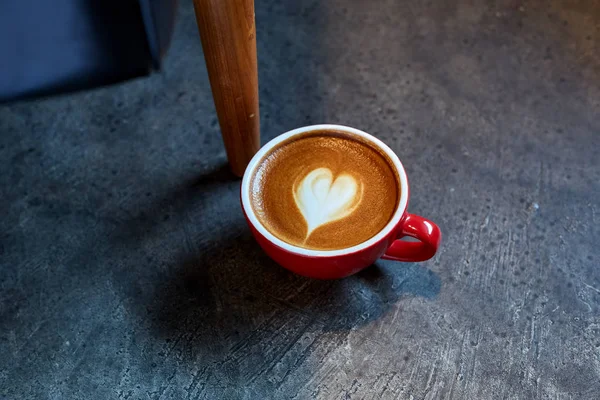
[392,157]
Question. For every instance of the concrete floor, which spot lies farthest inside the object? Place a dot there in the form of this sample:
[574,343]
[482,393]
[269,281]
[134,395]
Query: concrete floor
[127,270]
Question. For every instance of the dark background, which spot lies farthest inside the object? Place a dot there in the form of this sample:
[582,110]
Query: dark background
[127,270]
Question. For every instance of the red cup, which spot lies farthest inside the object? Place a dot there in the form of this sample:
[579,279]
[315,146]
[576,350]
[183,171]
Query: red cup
[332,264]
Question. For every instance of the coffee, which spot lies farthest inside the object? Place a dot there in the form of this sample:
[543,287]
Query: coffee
[324,190]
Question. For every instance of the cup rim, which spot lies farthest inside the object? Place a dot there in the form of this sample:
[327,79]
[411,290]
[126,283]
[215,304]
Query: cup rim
[384,232]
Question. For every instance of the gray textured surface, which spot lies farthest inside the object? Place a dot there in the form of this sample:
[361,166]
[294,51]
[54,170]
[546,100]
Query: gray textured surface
[127,270]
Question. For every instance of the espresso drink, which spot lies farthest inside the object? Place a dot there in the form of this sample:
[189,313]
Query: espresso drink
[325,190]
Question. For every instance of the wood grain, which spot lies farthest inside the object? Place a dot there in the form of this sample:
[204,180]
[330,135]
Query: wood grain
[228,37]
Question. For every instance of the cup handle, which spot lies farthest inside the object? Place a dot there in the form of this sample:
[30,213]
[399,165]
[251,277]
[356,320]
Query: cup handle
[426,231]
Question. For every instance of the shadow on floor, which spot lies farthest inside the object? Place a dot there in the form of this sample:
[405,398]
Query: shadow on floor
[234,293]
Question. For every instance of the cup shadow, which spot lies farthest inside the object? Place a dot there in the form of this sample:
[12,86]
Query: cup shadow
[233,292]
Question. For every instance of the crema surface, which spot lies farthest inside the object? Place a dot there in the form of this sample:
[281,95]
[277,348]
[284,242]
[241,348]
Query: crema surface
[324,190]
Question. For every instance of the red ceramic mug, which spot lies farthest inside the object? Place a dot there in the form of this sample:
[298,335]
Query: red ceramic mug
[331,264]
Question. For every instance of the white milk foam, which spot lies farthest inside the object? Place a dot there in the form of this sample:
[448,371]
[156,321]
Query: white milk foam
[321,200]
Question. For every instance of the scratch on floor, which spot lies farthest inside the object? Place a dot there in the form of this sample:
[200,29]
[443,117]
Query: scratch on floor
[297,362]
[387,384]
[416,365]
[246,341]
[316,376]
[470,378]
[269,367]
[591,287]
[195,381]
[485,222]
[165,387]
[586,303]
[431,379]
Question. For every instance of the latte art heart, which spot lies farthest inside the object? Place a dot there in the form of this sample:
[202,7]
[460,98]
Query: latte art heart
[321,199]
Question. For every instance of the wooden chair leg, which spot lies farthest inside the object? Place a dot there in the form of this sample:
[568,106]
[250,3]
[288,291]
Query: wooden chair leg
[228,36]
